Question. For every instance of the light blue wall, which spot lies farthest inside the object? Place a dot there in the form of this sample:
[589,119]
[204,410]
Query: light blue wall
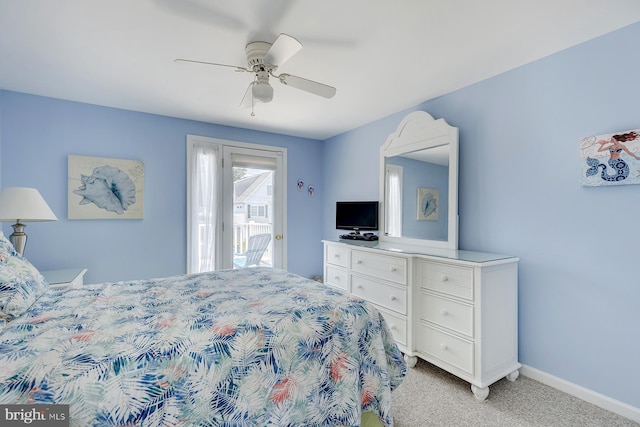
[520,194]
[39,133]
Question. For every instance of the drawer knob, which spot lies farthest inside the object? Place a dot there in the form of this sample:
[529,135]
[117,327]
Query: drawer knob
[359,261]
[336,255]
[393,298]
[359,286]
[336,277]
[393,269]
[393,327]
[444,312]
[444,278]
[444,347]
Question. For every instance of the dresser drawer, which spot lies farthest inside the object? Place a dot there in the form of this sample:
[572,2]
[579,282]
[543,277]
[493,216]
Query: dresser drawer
[336,276]
[337,255]
[384,294]
[448,348]
[397,324]
[381,266]
[447,313]
[448,279]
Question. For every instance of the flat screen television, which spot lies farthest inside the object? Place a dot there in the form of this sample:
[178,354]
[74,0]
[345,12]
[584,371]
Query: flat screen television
[357,216]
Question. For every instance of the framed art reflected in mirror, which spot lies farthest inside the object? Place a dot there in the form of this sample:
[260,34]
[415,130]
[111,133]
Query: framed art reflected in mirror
[428,204]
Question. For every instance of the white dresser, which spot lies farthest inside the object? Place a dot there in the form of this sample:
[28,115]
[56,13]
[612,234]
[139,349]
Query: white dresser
[71,276]
[455,309]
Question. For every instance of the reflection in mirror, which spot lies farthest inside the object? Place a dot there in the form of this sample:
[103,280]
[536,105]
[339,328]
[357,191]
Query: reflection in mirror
[419,183]
[417,194]
[393,200]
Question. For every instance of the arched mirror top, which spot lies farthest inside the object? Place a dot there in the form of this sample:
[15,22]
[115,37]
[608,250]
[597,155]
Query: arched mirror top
[419,183]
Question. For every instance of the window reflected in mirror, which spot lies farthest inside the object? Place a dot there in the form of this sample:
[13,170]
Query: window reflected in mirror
[393,211]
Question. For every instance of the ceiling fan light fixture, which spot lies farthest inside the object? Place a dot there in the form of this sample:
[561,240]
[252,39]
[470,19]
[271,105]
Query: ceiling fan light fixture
[263,59]
[262,92]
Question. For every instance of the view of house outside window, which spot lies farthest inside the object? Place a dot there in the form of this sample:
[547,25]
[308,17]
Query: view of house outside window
[252,225]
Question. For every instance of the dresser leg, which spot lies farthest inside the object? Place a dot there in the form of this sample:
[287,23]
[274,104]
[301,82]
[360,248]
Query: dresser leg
[410,360]
[513,375]
[480,393]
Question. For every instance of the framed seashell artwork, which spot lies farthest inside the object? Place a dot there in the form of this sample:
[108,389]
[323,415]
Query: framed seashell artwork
[104,188]
[428,204]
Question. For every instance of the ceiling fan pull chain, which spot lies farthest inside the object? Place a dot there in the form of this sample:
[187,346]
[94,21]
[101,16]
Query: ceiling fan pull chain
[253,103]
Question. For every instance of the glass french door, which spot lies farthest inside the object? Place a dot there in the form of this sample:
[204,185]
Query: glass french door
[237,215]
[253,217]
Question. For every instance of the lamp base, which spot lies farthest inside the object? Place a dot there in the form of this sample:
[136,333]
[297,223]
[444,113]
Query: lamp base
[18,238]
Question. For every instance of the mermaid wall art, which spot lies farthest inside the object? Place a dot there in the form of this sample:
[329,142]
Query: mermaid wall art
[101,188]
[611,159]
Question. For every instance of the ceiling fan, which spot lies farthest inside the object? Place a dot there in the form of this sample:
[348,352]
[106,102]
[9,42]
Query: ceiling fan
[263,59]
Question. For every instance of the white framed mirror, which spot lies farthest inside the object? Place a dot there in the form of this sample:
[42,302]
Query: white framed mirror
[419,183]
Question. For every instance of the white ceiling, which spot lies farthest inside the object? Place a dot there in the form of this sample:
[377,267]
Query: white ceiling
[382,56]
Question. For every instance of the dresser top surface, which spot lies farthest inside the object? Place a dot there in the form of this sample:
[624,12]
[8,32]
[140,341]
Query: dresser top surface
[458,255]
[54,277]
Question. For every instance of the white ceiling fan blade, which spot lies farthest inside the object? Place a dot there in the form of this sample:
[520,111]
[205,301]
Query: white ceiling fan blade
[237,67]
[282,50]
[307,85]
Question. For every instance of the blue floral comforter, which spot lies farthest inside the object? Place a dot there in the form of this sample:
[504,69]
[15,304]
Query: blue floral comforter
[249,347]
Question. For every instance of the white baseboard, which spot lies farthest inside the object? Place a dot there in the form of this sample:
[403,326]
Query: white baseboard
[605,402]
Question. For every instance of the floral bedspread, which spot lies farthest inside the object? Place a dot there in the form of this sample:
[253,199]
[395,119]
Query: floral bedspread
[248,347]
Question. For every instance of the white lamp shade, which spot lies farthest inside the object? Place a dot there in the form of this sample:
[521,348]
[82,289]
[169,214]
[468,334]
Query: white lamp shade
[24,204]
[262,92]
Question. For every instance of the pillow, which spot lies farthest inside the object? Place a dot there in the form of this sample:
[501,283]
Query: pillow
[6,248]
[21,284]
[4,319]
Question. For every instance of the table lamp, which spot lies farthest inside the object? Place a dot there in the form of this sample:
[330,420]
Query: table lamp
[21,204]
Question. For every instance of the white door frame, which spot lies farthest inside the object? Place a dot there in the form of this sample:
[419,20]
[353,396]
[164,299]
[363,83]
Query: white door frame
[279,197]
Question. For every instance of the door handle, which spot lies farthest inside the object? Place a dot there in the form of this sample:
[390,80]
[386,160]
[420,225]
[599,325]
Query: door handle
[278,236]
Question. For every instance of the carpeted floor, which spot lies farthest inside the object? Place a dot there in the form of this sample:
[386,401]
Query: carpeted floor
[430,396]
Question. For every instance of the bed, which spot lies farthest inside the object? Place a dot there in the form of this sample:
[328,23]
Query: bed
[254,347]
